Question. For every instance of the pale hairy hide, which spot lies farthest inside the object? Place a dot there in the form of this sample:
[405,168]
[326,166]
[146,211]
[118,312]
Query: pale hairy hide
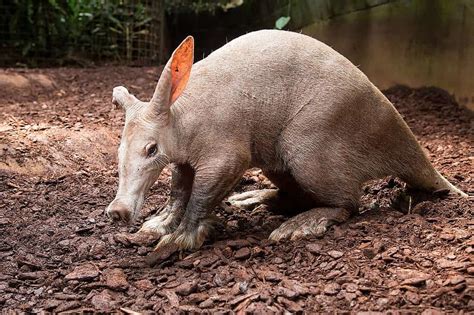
[280,101]
[291,104]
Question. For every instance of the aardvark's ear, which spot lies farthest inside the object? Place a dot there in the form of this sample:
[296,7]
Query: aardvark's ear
[121,97]
[174,77]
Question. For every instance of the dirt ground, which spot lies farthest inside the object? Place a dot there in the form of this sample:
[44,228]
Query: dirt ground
[58,252]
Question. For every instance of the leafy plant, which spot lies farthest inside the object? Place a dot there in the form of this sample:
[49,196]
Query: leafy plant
[58,30]
[130,26]
[62,28]
[283,21]
[35,25]
[200,6]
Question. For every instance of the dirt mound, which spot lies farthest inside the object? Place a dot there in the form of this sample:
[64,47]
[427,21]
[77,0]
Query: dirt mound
[42,150]
[59,253]
[21,86]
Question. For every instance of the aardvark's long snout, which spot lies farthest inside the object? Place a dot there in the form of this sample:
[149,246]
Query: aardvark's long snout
[119,211]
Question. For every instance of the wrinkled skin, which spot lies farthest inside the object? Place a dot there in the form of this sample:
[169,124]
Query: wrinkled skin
[141,161]
[280,101]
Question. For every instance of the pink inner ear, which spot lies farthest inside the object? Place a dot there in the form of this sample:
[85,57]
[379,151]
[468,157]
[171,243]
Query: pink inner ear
[181,68]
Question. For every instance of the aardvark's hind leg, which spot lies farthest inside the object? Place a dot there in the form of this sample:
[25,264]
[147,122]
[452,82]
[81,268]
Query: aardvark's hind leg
[310,223]
[286,199]
[251,199]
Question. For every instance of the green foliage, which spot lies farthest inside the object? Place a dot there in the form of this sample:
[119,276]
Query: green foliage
[282,22]
[35,24]
[60,28]
[200,6]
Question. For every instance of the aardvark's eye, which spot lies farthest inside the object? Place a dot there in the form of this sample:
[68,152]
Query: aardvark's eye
[151,149]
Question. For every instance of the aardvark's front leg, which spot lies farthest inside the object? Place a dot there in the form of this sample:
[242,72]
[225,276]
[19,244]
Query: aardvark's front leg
[213,180]
[169,218]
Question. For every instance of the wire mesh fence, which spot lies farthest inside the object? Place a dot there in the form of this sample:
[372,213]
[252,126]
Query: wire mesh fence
[65,32]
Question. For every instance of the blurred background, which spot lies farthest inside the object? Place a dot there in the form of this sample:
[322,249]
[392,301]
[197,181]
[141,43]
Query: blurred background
[410,42]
